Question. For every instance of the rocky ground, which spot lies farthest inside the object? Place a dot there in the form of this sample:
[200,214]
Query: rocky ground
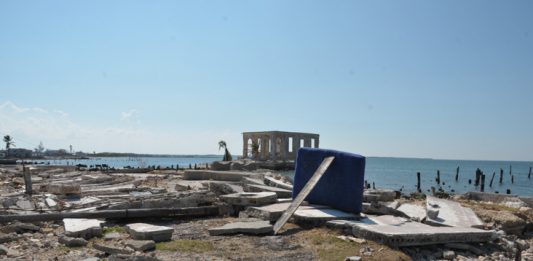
[190,240]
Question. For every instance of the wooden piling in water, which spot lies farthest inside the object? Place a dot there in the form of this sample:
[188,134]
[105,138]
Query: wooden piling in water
[478,177]
[482,182]
[510,170]
[501,176]
[512,179]
[457,174]
[508,191]
[438,177]
[492,179]
[529,175]
[418,189]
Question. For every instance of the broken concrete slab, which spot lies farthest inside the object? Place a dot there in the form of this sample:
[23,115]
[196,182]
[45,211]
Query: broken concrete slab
[143,231]
[250,198]
[244,227]
[381,208]
[217,175]
[372,195]
[81,227]
[64,188]
[25,204]
[316,215]
[273,182]
[399,232]
[282,193]
[112,248]
[451,213]
[412,211]
[141,245]
[267,212]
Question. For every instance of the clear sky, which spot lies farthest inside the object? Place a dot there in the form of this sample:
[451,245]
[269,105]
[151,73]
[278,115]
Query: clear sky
[433,79]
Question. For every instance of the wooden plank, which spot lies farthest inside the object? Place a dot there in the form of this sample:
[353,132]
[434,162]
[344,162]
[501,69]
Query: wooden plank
[303,193]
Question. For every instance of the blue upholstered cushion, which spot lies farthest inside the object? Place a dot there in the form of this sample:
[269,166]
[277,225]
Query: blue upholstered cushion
[341,187]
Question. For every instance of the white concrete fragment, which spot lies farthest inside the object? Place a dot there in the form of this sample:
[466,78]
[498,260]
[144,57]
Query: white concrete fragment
[414,212]
[142,231]
[451,213]
[282,193]
[64,188]
[81,227]
[251,227]
[316,215]
[397,232]
[270,181]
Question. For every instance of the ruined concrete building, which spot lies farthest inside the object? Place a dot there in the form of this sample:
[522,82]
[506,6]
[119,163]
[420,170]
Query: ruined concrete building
[276,145]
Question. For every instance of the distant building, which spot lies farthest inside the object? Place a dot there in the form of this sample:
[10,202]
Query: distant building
[56,153]
[276,145]
[3,154]
[20,153]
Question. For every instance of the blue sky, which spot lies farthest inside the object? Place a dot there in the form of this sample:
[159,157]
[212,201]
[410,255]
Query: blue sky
[435,79]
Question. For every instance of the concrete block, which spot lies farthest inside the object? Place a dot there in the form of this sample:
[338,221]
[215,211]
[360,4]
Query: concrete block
[72,241]
[142,231]
[381,208]
[412,211]
[81,227]
[341,186]
[250,198]
[282,193]
[251,227]
[399,232]
[141,245]
[451,213]
[112,249]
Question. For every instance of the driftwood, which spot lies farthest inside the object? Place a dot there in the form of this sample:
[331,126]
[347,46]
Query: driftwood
[118,214]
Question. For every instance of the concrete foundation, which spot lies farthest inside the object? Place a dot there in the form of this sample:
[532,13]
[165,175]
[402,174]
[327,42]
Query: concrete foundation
[282,193]
[245,227]
[217,175]
[250,198]
[450,213]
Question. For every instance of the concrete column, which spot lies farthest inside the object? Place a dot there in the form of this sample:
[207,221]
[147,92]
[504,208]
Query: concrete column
[244,146]
[273,147]
[284,150]
[295,146]
[316,141]
[307,142]
[264,147]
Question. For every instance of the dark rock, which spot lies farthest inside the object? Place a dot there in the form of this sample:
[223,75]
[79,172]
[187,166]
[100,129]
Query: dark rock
[112,249]
[141,245]
[72,241]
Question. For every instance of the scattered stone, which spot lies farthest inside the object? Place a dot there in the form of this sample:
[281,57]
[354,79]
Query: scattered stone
[448,255]
[466,247]
[81,227]
[51,203]
[142,231]
[141,245]
[219,188]
[282,193]
[3,250]
[450,213]
[396,231]
[250,227]
[353,258]
[112,249]
[64,189]
[122,257]
[72,242]
[412,211]
[381,208]
[278,243]
[25,204]
[111,236]
[91,259]
[250,198]
[5,238]
[506,221]
[522,244]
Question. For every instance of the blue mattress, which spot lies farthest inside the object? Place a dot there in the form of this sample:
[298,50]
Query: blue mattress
[341,187]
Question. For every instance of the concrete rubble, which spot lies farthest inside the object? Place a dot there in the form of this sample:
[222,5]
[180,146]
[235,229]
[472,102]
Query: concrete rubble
[142,231]
[247,204]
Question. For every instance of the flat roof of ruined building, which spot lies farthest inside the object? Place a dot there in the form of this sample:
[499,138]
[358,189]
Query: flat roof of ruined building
[280,132]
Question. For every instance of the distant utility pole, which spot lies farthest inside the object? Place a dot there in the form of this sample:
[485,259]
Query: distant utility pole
[70,149]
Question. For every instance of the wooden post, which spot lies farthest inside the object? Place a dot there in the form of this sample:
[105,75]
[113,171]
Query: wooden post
[529,175]
[373,185]
[457,174]
[438,177]
[501,176]
[418,189]
[303,193]
[492,179]
[482,182]
[478,176]
[510,170]
[508,191]
[512,179]
[27,179]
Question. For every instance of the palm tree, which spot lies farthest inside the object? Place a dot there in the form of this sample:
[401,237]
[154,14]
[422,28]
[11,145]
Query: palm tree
[255,149]
[222,145]
[9,142]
